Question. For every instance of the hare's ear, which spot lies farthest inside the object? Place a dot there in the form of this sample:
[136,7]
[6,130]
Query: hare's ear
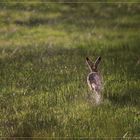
[97,62]
[90,63]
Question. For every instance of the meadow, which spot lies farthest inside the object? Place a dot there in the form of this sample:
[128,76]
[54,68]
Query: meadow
[43,89]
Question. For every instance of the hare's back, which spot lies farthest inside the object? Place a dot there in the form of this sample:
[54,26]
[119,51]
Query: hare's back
[93,78]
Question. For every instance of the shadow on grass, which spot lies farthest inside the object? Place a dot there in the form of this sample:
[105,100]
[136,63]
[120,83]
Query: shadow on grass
[32,22]
[128,97]
[57,60]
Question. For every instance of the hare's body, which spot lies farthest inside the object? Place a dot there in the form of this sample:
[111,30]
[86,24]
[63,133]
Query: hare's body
[94,80]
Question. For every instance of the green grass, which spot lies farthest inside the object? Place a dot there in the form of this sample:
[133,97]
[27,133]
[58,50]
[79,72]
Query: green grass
[43,89]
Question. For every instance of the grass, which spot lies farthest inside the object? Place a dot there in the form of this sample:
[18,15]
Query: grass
[43,89]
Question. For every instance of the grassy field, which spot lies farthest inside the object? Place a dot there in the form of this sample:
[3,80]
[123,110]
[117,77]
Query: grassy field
[43,89]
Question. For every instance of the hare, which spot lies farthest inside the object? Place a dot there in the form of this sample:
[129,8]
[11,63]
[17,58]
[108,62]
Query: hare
[94,79]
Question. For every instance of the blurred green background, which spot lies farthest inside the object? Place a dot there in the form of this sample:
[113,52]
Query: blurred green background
[43,89]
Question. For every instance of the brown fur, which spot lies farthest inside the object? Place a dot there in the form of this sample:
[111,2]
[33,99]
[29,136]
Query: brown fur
[94,78]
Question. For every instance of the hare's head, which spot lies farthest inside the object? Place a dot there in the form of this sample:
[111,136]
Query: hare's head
[93,66]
